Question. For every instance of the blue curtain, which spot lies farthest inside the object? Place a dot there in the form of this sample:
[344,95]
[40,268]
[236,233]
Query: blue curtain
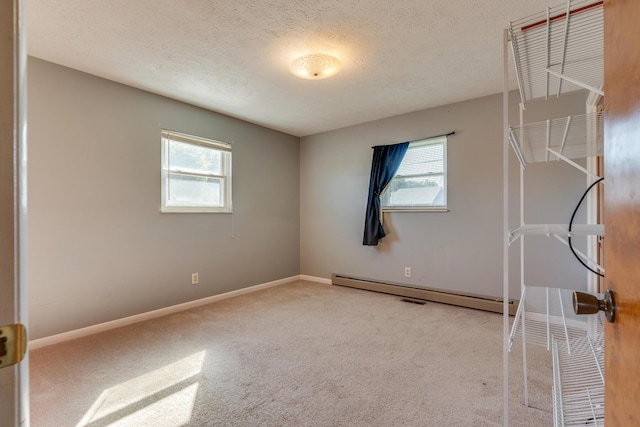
[385,164]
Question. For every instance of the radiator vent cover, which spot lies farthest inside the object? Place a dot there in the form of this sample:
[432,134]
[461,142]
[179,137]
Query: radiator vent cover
[413,301]
[478,302]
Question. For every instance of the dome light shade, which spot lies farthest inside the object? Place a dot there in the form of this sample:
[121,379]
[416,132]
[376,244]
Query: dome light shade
[315,66]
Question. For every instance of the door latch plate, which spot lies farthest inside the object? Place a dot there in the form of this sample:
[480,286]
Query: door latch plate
[13,344]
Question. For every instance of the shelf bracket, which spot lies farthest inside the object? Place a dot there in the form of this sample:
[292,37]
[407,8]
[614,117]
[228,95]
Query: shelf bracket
[516,148]
[574,164]
[564,45]
[516,56]
[546,94]
[548,138]
[575,82]
[592,263]
[566,132]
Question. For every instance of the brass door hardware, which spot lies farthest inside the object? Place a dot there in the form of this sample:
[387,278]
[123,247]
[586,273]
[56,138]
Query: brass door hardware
[13,344]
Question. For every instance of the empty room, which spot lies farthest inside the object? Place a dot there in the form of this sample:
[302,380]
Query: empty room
[339,213]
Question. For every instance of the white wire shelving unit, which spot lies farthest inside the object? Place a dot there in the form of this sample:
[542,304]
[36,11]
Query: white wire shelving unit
[559,50]
[545,315]
[567,138]
[556,230]
[578,380]
[556,51]
[564,139]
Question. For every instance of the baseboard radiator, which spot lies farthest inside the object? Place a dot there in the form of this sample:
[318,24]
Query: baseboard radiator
[478,302]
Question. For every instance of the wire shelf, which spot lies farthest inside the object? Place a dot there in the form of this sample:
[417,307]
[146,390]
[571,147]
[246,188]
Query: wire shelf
[556,230]
[556,51]
[578,381]
[559,50]
[573,137]
[546,313]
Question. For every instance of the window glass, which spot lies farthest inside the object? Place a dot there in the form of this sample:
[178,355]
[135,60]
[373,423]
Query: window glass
[420,182]
[194,158]
[194,190]
[196,174]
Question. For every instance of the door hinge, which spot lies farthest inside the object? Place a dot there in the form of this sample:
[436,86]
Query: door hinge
[13,344]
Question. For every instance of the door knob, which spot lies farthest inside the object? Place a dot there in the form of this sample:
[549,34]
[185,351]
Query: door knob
[584,303]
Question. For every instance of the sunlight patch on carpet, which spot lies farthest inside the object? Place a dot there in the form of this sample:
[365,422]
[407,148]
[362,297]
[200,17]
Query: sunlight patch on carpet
[171,411]
[167,393]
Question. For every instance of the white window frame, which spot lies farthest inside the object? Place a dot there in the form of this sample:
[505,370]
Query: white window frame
[176,207]
[441,140]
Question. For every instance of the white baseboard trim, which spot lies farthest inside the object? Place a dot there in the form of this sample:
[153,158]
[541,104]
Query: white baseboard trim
[94,329]
[315,279]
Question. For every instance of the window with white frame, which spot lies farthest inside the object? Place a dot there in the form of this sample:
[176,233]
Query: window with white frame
[196,174]
[421,180]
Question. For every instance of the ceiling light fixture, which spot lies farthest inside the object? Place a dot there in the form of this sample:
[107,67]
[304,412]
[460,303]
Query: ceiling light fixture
[315,66]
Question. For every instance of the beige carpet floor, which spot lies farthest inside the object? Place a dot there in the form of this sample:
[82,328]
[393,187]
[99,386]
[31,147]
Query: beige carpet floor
[300,354]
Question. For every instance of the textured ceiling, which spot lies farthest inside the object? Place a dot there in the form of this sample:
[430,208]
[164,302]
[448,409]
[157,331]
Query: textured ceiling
[233,56]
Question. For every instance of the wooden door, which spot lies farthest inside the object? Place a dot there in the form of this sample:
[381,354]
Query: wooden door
[622,209]
[13,378]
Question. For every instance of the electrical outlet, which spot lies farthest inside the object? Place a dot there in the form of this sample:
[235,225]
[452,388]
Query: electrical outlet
[195,279]
[407,272]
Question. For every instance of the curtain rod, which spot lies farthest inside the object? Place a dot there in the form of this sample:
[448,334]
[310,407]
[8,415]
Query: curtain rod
[420,139]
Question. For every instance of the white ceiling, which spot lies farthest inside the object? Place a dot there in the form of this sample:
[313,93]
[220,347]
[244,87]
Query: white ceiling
[232,56]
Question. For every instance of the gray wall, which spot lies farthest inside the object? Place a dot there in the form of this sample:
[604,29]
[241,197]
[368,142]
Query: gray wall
[99,248]
[460,250]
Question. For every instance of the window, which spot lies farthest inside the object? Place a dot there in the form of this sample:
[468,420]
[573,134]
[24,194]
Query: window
[196,174]
[421,180]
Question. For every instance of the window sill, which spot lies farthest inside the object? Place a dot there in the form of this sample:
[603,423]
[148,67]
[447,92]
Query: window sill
[184,209]
[417,209]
